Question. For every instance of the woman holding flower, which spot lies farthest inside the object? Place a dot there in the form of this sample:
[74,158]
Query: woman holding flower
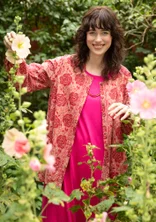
[87,103]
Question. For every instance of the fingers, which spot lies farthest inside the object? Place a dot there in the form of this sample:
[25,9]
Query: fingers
[9,38]
[113,105]
[127,114]
[118,109]
[13,34]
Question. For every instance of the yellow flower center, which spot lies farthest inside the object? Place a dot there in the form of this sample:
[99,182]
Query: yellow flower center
[20,45]
[146,104]
[135,90]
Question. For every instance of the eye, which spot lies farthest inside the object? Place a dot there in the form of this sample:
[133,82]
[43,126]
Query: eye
[91,32]
[105,32]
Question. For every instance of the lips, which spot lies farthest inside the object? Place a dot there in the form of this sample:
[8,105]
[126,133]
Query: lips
[98,46]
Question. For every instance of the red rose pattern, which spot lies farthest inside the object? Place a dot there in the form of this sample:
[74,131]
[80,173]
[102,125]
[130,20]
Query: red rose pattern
[68,120]
[60,100]
[80,79]
[113,94]
[73,97]
[61,141]
[66,79]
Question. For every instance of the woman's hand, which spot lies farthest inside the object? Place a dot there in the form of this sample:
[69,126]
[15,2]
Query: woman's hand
[8,39]
[117,109]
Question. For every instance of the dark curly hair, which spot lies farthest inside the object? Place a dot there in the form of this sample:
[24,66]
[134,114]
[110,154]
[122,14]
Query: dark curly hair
[101,17]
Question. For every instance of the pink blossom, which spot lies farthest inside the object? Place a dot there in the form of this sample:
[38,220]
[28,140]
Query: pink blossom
[15,143]
[129,179]
[35,164]
[10,56]
[144,103]
[21,45]
[135,87]
[50,160]
[104,217]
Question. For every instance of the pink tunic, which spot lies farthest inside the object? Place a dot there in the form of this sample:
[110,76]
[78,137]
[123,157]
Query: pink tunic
[89,130]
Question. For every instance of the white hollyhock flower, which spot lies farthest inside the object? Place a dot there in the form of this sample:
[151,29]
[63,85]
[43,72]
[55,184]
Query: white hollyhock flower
[20,45]
[11,57]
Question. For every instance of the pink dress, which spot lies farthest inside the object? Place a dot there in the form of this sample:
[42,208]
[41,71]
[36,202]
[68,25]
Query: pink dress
[89,130]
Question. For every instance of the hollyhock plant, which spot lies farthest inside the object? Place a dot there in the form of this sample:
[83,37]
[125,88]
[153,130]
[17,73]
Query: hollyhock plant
[134,87]
[144,103]
[21,45]
[39,133]
[15,143]
[35,164]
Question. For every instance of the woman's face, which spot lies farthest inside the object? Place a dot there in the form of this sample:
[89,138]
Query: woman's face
[98,41]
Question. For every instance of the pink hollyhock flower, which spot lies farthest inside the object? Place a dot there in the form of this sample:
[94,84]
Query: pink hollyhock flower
[144,103]
[135,87]
[21,45]
[35,164]
[15,143]
[129,179]
[10,56]
[50,160]
[104,217]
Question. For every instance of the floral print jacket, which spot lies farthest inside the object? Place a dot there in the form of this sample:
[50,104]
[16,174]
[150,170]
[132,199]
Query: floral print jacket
[68,92]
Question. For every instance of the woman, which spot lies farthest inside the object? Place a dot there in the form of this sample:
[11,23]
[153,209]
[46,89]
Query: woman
[87,103]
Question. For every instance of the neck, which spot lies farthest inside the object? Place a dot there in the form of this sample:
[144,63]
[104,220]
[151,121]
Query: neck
[94,65]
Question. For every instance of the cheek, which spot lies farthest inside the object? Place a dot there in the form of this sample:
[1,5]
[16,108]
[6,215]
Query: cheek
[88,41]
[109,40]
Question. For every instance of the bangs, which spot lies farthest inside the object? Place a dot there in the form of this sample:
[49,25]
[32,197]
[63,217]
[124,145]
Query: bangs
[100,20]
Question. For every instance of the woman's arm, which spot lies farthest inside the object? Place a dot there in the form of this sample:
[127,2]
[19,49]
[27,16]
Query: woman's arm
[36,76]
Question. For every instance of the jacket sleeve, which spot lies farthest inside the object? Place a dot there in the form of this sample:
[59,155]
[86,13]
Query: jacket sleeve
[37,76]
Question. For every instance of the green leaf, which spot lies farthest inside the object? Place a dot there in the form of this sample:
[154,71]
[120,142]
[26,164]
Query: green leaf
[129,192]
[119,209]
[75,208]
[99,167]
[55,194]
[86,202]
[80,163]
[104,205]
[3,158]
[76,194]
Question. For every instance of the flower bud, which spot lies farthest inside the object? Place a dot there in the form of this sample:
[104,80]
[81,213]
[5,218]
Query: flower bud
[16,94]
[26,104]
[17,113]
[24,90]
[35,164]
[20,79]
[20,122]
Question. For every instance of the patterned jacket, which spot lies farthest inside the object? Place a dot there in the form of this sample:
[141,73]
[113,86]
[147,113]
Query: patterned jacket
[68,91]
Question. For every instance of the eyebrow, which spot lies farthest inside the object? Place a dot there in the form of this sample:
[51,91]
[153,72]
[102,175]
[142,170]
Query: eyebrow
[91,29]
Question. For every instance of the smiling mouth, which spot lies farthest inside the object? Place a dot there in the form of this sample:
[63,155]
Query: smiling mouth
[98,46]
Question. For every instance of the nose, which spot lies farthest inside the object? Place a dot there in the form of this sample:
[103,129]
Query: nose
[98,38]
